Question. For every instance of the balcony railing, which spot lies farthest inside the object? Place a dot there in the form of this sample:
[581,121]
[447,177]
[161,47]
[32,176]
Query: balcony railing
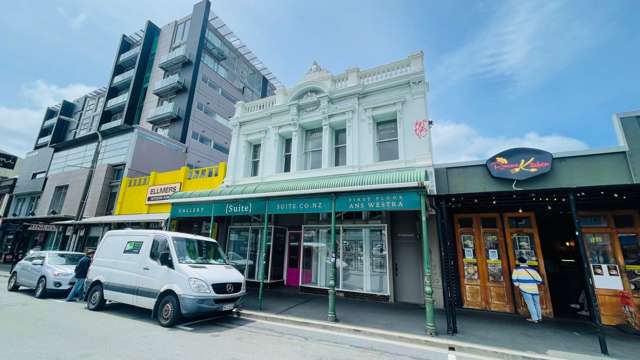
[176,57]
[111,124]
[168,85]
[129,57]
[166,112]
[123,79]
[117,102]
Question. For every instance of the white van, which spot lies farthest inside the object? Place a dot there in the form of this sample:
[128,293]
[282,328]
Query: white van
[173,274]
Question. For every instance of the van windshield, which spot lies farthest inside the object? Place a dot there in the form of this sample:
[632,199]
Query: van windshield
[192,251]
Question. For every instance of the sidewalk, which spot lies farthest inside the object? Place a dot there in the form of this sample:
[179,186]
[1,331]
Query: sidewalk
[554,338]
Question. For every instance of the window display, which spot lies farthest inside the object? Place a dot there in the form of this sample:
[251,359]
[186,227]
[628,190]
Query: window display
[243,246]
[630,244]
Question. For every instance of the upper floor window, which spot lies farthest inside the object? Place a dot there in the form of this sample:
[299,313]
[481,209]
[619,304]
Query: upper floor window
[387,140]
[286,164]
[19,205]
[313,149]
[38,175]
[255,159]
[57,201]
[340,147]
[182,32]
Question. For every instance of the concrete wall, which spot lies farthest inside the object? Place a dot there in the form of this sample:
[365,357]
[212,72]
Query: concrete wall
[99,191]
[153,152]
[35,161]
[76,180]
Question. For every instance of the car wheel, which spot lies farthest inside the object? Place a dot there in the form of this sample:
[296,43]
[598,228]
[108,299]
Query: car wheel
[95,299]
[168,311]
[12,284]
[41,288]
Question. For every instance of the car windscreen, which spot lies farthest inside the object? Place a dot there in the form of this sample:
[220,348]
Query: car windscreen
[193,251]
[64,259]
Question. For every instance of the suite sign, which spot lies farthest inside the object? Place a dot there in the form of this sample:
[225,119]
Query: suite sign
[161,193]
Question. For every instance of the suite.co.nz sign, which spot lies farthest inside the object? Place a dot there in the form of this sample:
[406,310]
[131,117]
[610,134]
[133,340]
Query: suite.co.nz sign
[161,193]
[520,163]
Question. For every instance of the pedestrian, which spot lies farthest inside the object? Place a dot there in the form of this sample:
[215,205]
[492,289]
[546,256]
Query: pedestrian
[527,280]
[80,274]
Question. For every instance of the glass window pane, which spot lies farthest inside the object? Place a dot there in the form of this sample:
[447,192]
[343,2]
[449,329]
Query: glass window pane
[630,244]
[599,245]
[340,156]
[387,130]
[494,261]
[523,245]
[465,222]
[314,159]
[388,150]
[315,256]
[313,139]
[340,137]
[377,279]
[519,222]
[352,264]
[489,223]
[238,248]
[594,221]
[624,221]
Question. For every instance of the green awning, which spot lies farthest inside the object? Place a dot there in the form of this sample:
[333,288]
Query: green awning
[349,182]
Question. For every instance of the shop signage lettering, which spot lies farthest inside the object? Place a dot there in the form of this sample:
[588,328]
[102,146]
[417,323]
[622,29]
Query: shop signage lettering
[161,193]
[520,163]
[300,205]
[42,227]
[8,161]
[239,207]
[387,201]
[190,210]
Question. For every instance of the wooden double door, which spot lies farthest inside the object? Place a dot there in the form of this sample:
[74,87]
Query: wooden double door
[488,248]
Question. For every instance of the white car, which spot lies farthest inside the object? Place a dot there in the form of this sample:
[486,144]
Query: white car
[172,274]
[45,271]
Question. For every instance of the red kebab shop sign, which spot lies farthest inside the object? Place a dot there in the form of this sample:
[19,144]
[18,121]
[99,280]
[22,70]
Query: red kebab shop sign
[520,163]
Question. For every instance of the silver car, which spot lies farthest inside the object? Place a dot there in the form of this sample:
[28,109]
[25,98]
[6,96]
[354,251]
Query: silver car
[45,271]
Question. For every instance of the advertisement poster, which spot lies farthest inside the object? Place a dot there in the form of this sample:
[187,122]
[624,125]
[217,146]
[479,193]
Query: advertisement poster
[606,276]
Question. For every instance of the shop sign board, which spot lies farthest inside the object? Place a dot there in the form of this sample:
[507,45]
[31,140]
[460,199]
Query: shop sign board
[161,193]
[239,207]
[520,163]
[8,161]
[378,201]
[42,227]
[316,204]
[191,210]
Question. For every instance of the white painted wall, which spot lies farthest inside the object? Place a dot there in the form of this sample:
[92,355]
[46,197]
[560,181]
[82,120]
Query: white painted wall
[355,100]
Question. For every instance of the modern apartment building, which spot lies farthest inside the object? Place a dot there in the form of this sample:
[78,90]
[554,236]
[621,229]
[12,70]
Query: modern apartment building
[167,103]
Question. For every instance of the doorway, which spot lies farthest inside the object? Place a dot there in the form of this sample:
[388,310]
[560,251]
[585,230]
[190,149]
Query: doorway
[407,259]
[294,239]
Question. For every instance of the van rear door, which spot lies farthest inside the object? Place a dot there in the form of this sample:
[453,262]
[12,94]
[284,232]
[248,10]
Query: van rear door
[152,276]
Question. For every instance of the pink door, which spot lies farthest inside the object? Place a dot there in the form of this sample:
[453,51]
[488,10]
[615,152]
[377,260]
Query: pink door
[294,243]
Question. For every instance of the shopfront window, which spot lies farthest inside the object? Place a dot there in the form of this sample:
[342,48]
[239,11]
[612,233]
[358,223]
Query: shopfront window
[361,258]
[599,246]
[630,244]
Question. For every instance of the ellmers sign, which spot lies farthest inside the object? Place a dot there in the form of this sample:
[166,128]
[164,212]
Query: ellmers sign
[520,163]
[160,193]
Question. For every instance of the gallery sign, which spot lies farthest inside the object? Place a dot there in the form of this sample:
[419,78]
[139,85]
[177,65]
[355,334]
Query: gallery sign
[161,193]
[8,161]
[191,210]
[520,163]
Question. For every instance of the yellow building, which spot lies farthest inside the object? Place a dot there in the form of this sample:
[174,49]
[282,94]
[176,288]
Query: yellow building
[148,194]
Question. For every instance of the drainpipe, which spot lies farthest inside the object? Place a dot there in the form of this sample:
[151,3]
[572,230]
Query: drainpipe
[87,185]
[430,323]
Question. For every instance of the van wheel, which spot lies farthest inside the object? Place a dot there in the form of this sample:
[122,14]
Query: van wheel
[12,284]
[95,299]
[168,312]
[41,288]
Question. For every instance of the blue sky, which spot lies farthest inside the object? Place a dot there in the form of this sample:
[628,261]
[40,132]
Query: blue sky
[538,73]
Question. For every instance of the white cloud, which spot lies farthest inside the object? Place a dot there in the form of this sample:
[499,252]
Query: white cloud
[453,141]
[75,22]
[523,43]
[19,126]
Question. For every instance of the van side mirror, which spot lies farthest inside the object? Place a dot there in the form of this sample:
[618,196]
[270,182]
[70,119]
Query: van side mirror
[165,260]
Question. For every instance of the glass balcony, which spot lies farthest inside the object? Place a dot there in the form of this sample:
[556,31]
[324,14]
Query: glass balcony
[123,80]
[176,57]
[44,140]
[117,102]
[111,124]
[168,85]
[129,58]
[49,122]
[164,113]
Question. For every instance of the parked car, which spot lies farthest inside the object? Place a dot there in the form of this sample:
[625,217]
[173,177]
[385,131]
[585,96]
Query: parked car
[172,274]
[45,271]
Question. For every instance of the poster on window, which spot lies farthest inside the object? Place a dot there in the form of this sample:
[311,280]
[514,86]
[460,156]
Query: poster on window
[606,276]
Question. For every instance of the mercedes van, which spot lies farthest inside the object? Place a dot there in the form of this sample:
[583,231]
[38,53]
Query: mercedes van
[172,274]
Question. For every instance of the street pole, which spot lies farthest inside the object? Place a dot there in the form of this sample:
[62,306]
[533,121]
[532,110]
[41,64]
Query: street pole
[331,316]
[430,321]
[262,254]
[590,291]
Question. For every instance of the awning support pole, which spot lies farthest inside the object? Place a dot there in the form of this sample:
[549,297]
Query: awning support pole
[331,316]
[213,221]
[262,254]
[430,321]
[590,291]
